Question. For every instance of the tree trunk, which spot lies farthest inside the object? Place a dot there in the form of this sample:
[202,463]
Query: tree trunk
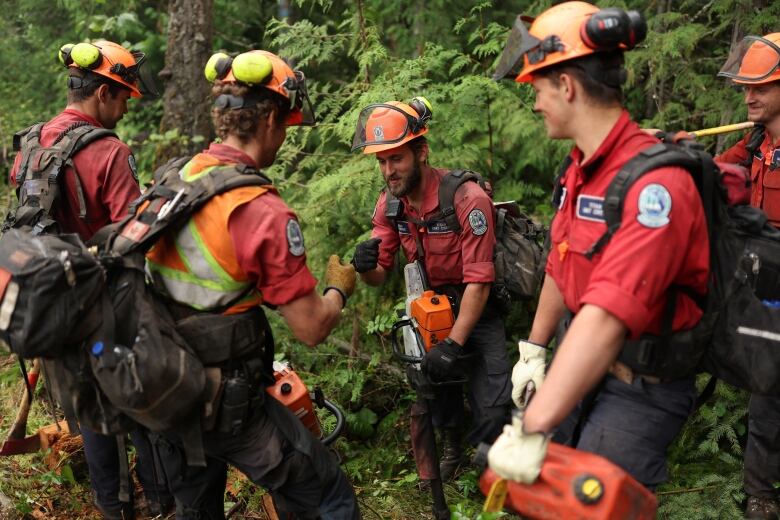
[187,104]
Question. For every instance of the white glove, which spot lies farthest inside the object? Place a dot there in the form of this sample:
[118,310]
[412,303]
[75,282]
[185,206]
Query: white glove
[517,455]
[528,369]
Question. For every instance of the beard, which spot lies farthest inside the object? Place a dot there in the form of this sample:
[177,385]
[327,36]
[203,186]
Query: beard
[407,185]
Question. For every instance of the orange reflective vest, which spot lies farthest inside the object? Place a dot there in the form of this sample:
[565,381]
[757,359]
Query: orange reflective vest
[197,266]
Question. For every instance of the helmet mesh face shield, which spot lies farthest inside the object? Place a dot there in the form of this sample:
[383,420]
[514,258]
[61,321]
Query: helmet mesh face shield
[383,126]
[302,109]
[519,43]
[755,60]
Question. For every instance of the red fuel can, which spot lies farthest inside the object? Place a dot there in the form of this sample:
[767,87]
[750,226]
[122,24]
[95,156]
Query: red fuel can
[292,392]
[577,485]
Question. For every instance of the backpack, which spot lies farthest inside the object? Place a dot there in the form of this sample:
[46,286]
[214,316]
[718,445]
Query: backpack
[38,177]
[518,254]
[737,337]
[130,364]
[140,358]
[47,280]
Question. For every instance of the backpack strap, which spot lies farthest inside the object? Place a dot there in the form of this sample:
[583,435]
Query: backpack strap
[24,142]
[658,156]
[754,143]
[171,203]
[449,185]
[71,141]
[557,194]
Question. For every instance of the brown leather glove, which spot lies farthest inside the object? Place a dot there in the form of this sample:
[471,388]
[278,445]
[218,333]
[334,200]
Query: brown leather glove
[340,277]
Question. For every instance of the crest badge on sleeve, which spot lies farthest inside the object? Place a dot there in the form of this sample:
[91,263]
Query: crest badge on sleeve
[655,204]
[478,222]
[295,238]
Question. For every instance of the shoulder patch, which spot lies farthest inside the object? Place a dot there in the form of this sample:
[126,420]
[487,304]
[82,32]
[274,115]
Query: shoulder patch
[295,238]
[478,222]
[133,168]
[655,205]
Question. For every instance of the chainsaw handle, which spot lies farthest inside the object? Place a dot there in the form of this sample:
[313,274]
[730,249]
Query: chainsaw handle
[397,350]
[340,422]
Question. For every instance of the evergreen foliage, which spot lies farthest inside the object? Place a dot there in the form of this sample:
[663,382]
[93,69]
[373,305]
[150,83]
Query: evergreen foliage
[365,51]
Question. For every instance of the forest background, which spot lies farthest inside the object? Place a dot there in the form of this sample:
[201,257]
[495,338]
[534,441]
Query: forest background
[355,53]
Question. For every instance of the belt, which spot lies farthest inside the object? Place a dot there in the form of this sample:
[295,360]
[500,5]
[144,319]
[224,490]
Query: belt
[624,373]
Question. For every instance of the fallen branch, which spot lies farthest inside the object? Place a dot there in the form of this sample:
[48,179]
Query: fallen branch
[689,490]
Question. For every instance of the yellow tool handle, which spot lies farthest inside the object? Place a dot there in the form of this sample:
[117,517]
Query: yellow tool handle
[494,502]
[722,129]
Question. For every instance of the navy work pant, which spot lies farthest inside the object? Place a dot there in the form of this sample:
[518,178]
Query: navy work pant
[762,453]
[633,425]
[489,387]
[275,451]
[102,456]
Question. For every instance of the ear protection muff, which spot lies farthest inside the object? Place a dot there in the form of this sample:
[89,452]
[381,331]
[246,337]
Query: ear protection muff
[614,28]
[218,66]
[251,68]
[84,55]
[424,113]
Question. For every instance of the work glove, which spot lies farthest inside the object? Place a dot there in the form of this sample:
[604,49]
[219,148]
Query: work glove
[528,374]
[366,255]
[441,361]
[517,455]
[340,278]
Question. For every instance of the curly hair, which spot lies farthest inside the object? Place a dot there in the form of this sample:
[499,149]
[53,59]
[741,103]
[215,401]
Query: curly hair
[242,122]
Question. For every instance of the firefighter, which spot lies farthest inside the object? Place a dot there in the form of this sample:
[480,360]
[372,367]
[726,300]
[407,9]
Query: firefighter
[755,66]
[572,55]
[97,190]
[459,264]
[245,248]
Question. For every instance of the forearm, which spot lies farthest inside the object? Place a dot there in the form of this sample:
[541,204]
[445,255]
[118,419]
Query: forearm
[374,277]
[592,343]
[312,317]
[548,313]
[472,304]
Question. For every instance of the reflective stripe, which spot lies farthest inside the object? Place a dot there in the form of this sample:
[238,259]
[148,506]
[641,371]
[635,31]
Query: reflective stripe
[191,290]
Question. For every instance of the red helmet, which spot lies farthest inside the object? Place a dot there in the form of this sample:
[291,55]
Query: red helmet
[107,59]
[755,61]
[266,70]
[388,125]
[566,32]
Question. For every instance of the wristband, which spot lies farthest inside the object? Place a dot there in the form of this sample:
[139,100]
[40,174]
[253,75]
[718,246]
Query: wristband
[341,293]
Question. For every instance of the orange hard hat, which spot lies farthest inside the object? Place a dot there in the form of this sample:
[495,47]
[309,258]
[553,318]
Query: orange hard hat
[107,59]
[266,70]
[384,126]
[755,61]
[566,32]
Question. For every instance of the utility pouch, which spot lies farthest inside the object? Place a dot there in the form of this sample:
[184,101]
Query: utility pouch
[235,404]
[216,338]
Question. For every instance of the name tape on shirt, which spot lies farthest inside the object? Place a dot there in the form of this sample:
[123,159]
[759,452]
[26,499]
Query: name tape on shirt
[590,208]
[295,238]
[438,226]
[403,227]
[655,204]
[478,222]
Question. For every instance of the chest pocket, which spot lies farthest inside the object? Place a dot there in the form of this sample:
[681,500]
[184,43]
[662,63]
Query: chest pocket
[771,200]
[443,257]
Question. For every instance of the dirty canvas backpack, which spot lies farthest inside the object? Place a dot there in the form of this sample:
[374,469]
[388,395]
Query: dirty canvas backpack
[47,280]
